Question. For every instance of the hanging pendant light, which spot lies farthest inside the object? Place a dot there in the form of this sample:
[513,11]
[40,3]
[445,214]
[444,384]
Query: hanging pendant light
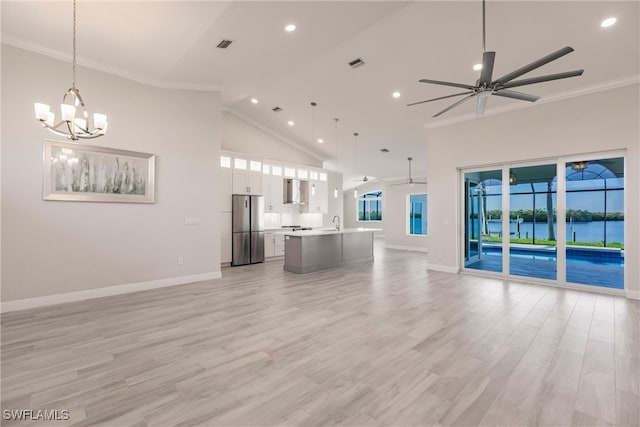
[355,134]
[70,126]
[335,190]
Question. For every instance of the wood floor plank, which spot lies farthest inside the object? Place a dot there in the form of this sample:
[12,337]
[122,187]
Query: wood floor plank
[387,343]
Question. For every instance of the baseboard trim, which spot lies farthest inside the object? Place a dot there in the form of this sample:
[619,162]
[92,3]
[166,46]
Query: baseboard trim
[443,268]
[631,294]
[406,248]
[27,303]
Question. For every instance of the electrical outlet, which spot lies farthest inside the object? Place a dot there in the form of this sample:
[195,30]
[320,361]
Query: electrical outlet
[180,260]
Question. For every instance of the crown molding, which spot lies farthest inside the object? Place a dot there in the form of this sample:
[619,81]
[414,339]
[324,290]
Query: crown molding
[63,56]
[273,133]
[600,87]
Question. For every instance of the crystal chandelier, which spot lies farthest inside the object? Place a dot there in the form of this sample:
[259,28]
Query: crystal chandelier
[71,127]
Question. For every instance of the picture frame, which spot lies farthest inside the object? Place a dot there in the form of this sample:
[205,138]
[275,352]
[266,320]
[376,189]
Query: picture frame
[75,172]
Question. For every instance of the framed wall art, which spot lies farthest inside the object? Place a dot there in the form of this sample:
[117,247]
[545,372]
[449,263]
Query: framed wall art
[86,173]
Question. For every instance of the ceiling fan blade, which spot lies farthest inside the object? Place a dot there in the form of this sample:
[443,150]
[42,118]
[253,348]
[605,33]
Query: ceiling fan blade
[516,95]
[441,97]
[437,82]
[535,64]
[455,104]
[487,68]
[541,79]
[481,105]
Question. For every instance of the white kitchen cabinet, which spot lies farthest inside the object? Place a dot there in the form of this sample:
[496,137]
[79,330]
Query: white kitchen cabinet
[247,182]
[272,189]
[269,244]
[318,197]
[278,246]
[226,189]
[273,244]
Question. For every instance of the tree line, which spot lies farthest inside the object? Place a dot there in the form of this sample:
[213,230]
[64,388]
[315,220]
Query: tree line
[579,215]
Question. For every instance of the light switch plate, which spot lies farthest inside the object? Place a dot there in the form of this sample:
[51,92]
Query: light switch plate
[192,220]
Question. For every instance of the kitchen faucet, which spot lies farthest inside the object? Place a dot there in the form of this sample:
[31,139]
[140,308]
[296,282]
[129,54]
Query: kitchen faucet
[334,220]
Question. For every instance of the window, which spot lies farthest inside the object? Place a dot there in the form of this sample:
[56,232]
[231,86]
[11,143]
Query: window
[417,208]
[276,170]
[290,172]
[225,162]
[370,206]
[323,176]
[303,173]
[266,169]
[313,175]
[239,164]
[255,166]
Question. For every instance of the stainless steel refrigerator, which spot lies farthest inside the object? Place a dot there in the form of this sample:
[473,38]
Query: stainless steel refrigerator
[248,230]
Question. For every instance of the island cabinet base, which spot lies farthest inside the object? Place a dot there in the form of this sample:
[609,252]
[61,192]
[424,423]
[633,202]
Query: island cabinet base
[309,253]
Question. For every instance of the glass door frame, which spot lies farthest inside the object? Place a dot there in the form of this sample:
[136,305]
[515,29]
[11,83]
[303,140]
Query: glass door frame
[561,203]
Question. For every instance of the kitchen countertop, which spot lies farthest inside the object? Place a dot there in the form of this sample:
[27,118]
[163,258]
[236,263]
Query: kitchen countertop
[328,231]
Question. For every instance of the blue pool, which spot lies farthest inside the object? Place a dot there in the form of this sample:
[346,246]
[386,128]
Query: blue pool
[590,266]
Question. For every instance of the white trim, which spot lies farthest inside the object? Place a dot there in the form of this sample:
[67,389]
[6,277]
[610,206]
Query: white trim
[600,87]
[631,294]
[52,53]
[406,248]
[273,133]
[27,303]
[443,268]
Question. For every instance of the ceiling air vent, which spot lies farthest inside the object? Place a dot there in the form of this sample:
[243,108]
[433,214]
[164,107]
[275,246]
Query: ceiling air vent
[356,63]
[224,44]
[276,109]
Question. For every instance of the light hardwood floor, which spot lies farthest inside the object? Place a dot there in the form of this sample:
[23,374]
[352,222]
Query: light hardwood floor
[384,343]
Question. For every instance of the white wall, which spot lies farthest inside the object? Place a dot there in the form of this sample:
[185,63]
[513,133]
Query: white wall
[58,247]
[590,123]
[243,137]
[350,212]
[395,230]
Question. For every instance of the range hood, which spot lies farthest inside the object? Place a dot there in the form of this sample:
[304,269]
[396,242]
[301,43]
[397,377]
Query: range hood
[295,191]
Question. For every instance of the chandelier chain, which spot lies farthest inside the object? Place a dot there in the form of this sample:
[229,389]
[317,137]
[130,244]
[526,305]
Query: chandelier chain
[74,44]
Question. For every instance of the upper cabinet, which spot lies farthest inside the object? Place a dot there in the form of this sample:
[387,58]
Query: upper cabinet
[243,175]
[247,176]
[272,186]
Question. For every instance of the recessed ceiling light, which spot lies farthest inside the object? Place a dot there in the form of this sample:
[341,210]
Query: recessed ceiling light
[608,22]
[289,28]
[477,67]
[254,101]
[290,123]
[396,94]
[320,141]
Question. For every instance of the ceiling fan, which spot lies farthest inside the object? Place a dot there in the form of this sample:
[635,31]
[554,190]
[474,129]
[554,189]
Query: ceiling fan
[365,178]
[486,87]
[410,181]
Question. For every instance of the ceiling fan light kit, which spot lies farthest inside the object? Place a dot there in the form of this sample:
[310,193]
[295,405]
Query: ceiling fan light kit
[486,87]
[72,103]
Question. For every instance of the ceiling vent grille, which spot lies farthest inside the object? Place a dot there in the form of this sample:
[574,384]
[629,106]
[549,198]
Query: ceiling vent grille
[356,63]
[276,109]
[224,44]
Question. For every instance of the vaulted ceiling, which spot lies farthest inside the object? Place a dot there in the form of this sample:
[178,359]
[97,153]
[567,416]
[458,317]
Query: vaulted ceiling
[173,44]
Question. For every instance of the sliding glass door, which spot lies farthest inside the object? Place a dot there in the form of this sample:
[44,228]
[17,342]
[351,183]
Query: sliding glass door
[532,218]
[577,206]
[595,222]
[483,220]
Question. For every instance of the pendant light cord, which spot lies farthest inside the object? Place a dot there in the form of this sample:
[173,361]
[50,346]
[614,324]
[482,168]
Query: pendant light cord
[74,44]
[336,141]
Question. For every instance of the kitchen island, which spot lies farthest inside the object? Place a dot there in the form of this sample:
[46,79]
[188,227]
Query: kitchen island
[314,250]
